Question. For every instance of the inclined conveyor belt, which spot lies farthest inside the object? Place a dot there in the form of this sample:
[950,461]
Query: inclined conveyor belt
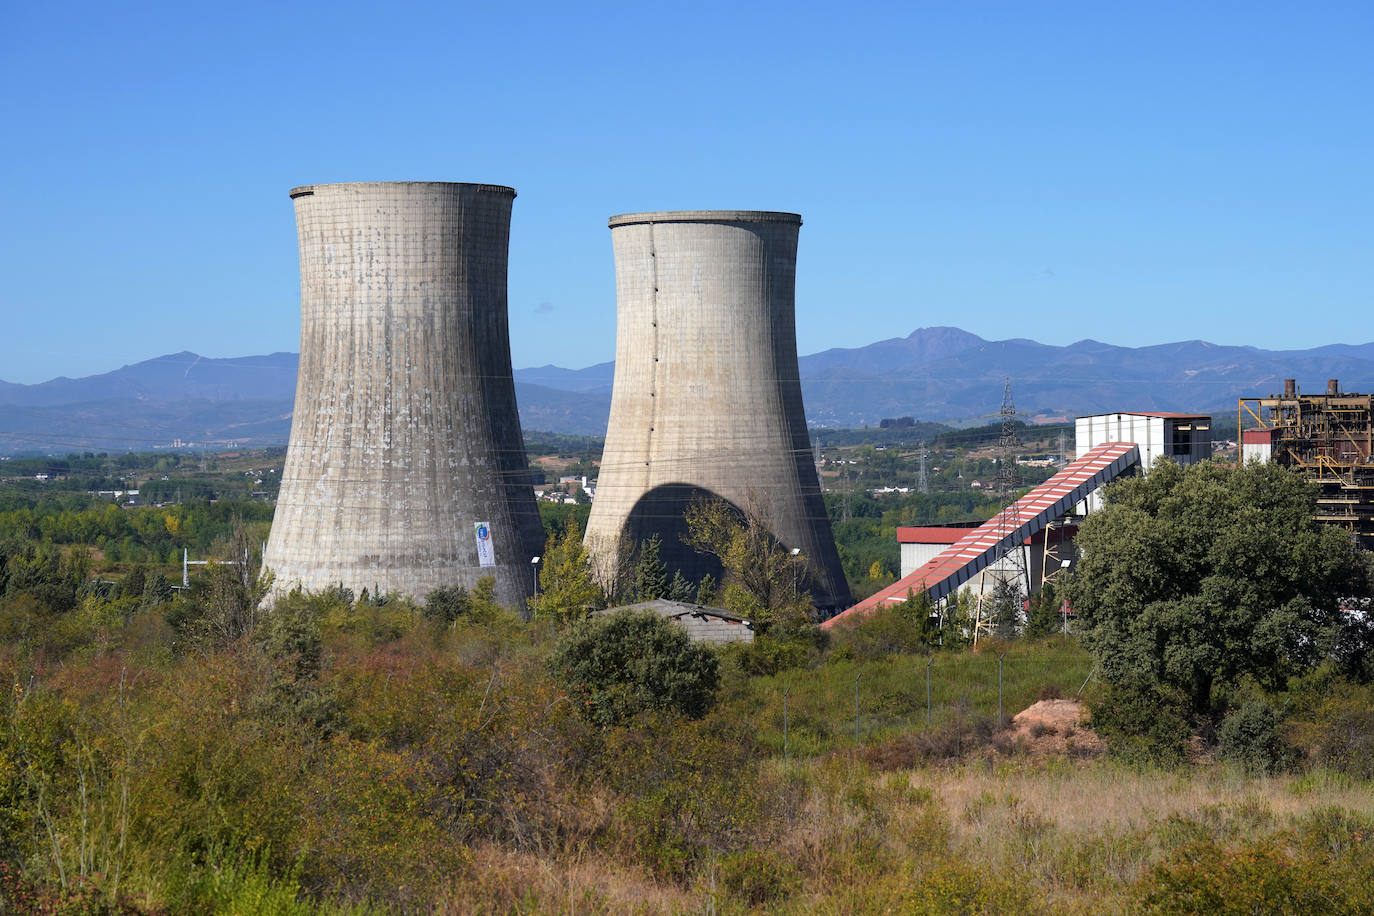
[984,545]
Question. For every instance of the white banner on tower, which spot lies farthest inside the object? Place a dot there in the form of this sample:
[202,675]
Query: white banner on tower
[486,554]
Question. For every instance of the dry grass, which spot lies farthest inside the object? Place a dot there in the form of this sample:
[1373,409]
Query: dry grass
[506,881]
[1107,797]
[1057,836]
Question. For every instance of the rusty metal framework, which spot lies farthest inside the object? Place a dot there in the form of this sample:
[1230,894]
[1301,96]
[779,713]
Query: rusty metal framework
[1329,438]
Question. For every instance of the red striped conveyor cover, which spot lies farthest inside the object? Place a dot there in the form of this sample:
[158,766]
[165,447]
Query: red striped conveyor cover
[982,546]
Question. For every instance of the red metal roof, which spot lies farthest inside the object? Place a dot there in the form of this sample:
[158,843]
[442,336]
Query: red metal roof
[933,534]
[980,547]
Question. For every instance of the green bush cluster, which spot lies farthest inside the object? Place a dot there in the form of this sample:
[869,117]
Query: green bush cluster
[1332,725]
[1322,866]
[1143,722]
[620,664]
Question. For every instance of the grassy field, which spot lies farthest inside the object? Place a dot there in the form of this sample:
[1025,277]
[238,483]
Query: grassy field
[347,757]
[892,693]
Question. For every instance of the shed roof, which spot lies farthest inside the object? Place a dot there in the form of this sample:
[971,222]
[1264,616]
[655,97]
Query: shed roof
[675,609]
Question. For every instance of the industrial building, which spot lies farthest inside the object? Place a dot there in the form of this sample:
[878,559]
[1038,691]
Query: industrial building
[921,544]
[1329,438]
[706,401]
[405,469]
[1036,560]
[1184,437]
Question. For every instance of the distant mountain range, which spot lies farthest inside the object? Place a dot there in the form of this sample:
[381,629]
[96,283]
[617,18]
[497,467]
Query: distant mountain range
[942,374]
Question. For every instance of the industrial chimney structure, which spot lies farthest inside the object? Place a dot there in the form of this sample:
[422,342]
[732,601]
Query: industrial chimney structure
[707,400]
[406,469]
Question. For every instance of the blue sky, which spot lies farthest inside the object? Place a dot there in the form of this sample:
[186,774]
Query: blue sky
[1134,173]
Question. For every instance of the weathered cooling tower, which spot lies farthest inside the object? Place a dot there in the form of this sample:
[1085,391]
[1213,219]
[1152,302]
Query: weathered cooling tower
[405,443]
[707,401]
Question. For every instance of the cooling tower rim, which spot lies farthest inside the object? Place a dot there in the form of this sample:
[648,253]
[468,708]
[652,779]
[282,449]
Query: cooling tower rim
[307,190]
[705,216]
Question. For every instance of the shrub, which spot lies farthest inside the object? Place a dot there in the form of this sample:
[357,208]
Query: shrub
[1142,723]
[1334,831]
[370,622]
[1337,730]
[887,631]
[767,656]
[757,877]
[447,603]
[966,733]
[943,889]
[688,792]
[1251,737]
[620,664]
[84,897]
[245,885]
[293,651]
[221,777]
[1255,876]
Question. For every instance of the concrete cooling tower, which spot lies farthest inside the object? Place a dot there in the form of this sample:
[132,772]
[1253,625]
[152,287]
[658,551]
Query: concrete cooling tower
[405,469]
[707,400]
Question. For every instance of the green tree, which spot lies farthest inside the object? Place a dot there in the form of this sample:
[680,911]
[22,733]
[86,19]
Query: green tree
[1043,618]
[920,612]
[1197,579]
[157,591]
[484,607]
[763,580]
[706,590]
[566,587]
[134,584]
[620,664]
[230,595]
[651,576]
[680,589]
[447,603]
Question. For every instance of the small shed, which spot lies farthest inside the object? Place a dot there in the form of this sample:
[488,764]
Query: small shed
[703,624]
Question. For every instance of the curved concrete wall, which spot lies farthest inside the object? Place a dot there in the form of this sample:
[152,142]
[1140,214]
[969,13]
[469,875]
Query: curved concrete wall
[707,399]
[405,432]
